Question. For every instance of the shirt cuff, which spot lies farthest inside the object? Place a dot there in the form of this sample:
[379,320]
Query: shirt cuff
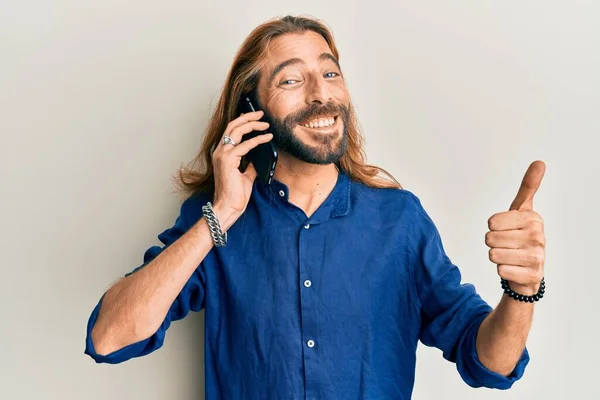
[117,356]
[475,374]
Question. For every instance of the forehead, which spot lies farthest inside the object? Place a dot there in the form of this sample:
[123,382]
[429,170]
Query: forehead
[307,46]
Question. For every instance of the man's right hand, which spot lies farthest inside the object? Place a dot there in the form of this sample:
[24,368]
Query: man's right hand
[233,188]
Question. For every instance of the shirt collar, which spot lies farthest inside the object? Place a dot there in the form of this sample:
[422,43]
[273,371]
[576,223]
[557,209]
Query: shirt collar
[338,200]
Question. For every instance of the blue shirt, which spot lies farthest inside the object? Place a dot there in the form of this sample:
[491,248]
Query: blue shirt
[326,307]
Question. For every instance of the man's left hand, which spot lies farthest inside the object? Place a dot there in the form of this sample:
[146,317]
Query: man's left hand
[516,238]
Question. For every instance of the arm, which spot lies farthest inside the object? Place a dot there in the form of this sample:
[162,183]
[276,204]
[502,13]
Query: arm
[502,335]
[132,317]
[517,245]
[141,306]
[452,312]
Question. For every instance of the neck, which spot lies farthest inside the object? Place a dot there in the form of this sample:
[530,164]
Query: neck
[309,184]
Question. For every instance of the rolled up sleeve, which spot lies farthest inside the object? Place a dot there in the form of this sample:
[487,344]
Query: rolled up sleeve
[191,298]
[451,311]
[474,373]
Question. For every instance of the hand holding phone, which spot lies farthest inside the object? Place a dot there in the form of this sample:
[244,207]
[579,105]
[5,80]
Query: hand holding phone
[233,188]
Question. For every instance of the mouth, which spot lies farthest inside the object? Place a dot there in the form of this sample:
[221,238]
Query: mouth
[322,124]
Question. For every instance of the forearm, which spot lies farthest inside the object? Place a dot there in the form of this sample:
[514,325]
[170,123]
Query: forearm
[503,334]
[135,307]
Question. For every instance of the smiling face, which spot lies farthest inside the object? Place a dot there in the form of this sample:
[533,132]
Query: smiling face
[303,93]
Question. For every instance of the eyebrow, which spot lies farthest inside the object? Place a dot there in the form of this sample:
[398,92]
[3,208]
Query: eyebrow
[295,60]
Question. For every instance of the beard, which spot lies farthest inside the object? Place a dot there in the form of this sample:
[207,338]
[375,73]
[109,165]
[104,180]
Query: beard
[330,148]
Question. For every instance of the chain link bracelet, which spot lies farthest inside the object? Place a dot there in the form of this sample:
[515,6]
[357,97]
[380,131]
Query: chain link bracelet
[219,238]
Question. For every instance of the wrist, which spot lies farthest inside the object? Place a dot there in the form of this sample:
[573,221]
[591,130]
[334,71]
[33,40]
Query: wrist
[226,216]
[523,295]
[527,290]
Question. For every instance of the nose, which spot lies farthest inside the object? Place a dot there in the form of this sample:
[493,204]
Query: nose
[317,91]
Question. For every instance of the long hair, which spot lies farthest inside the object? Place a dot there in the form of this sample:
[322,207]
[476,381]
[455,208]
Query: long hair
[243,76]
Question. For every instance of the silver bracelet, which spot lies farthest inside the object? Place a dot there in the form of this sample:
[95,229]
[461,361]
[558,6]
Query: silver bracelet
[219,238]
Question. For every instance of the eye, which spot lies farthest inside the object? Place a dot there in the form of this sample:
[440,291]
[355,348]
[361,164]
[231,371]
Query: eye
[331,74]
[289,82]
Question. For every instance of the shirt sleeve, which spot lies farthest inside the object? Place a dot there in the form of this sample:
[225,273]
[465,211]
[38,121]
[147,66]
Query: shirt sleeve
[191,298]
[451,311]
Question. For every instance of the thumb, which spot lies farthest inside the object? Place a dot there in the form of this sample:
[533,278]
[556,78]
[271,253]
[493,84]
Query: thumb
[529,185]
[250,172]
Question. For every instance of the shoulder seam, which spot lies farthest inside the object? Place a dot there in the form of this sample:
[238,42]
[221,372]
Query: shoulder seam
[409,264]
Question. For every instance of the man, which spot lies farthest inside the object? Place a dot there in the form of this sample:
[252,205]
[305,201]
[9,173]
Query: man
[320,285]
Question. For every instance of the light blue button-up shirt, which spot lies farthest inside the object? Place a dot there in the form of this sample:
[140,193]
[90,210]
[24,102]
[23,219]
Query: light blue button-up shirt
[326,307]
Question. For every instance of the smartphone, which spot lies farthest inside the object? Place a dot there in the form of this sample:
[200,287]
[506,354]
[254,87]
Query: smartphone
[264,156]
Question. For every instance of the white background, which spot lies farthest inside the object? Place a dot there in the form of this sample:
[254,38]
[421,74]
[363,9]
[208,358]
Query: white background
[100,103]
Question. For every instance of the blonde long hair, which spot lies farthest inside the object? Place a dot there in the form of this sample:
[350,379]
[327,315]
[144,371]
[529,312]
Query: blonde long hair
[198,175]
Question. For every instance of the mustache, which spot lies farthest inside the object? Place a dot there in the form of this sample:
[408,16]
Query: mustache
[314,111]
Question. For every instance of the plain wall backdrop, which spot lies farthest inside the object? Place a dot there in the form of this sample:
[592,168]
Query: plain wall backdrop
[100,103]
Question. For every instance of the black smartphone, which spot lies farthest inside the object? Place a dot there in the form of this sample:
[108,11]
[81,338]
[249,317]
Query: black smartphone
[263,156]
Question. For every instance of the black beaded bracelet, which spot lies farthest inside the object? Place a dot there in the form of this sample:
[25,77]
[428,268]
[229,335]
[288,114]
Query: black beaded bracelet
[522,297]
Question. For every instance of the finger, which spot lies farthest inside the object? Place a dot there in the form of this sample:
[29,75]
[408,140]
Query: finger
[532,258]
[246,128]
[520,275]
[243,119]
[509,220]
[529,185]
[243,148]
[513,239]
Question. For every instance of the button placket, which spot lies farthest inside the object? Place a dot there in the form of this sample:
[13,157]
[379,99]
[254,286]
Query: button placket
[308,304]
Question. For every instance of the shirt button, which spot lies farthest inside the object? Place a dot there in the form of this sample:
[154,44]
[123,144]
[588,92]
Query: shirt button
[310,343]
[306,226]
[281,193]
[307,283]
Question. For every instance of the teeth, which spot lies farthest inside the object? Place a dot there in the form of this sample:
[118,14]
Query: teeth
[320,123]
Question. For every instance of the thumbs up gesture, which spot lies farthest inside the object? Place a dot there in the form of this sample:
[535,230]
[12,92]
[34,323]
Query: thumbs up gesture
[516,237]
